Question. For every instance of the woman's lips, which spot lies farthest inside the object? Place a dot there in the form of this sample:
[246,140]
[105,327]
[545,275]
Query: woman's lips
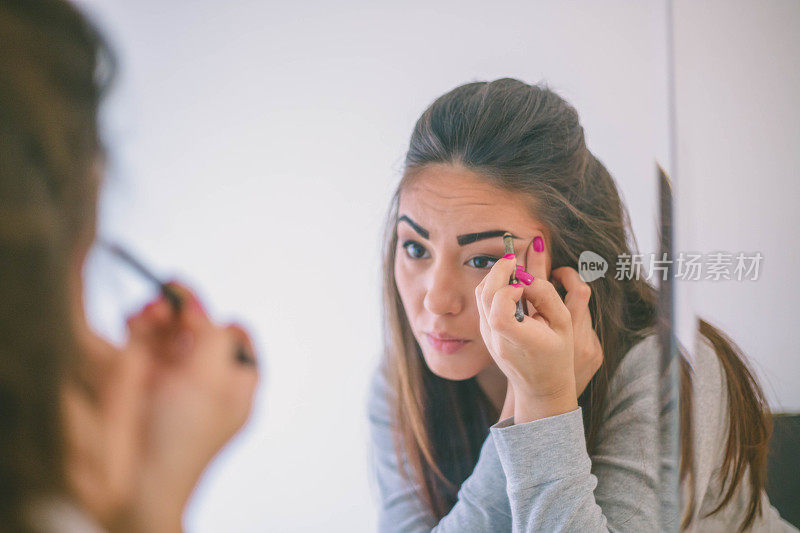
[444,343]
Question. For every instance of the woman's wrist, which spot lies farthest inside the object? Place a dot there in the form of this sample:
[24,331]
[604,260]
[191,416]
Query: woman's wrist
[530,405]
[152,516]
[158,502]
[155,512]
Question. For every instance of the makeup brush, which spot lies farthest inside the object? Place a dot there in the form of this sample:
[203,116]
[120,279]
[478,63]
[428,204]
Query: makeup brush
[508,241]
[170,294]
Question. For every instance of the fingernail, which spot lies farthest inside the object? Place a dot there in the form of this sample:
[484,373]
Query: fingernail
[509,256]
[517,285]
[524,277]
[538,244]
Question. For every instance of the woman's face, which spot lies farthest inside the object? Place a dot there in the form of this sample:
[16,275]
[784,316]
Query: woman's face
[441,257]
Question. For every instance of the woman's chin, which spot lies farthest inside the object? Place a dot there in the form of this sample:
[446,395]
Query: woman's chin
[456,367]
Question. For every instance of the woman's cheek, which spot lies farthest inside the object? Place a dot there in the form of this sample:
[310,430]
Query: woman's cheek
[404,281]
[475,318]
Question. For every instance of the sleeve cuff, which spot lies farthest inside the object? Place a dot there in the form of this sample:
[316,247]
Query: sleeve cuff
[487,476]
[542,450]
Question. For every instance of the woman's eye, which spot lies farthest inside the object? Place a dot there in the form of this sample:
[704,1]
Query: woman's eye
[415,250]
[482,261]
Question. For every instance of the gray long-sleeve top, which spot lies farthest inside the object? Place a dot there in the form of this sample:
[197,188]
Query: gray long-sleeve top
[538,476]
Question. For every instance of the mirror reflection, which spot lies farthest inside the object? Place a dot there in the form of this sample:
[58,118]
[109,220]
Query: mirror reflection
[390,268]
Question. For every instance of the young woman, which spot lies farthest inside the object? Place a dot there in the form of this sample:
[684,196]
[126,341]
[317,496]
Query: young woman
[575,385]
[92,436]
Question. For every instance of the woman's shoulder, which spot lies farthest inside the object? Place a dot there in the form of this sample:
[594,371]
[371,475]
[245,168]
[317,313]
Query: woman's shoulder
[708,376]
[640,364]
[380,393]
[711,421]
[379,413]
[644,358]
[710,417]
[633,392]
[643,364]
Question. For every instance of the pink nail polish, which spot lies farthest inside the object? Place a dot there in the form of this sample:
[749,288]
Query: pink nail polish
[524,277]
[538,244]
[509,256]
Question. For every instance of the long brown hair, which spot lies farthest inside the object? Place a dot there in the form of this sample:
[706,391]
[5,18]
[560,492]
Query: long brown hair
[527,139]
[50,88]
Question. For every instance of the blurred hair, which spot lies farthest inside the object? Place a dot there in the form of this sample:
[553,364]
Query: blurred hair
[54,68]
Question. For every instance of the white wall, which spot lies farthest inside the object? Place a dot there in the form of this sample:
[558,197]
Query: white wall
[255,146]
[738,175]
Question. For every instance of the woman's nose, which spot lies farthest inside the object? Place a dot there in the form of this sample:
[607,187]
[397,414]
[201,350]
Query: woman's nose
[443,296]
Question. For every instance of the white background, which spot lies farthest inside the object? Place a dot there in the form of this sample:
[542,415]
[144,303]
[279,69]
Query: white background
[254,149]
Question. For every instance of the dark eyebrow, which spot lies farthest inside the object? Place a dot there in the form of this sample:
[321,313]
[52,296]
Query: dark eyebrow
[419,229]
[469,238]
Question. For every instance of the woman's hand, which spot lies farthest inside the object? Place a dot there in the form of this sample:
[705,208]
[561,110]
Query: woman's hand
[537,354]
[198,397]
[102,405]
[588,350]
[588,357]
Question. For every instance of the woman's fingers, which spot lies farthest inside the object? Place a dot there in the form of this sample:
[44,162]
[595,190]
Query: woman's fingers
[148,325]
[246,356]
[496,279]
[523,276]
[496,300]
[192,314]
[247,370]
[157,331]
[170,337]
[501,311]
[588,350]
[544,298]
[540,293]
[578,291]
[534,257]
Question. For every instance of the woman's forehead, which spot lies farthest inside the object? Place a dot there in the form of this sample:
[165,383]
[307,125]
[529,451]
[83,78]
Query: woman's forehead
[449,196]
